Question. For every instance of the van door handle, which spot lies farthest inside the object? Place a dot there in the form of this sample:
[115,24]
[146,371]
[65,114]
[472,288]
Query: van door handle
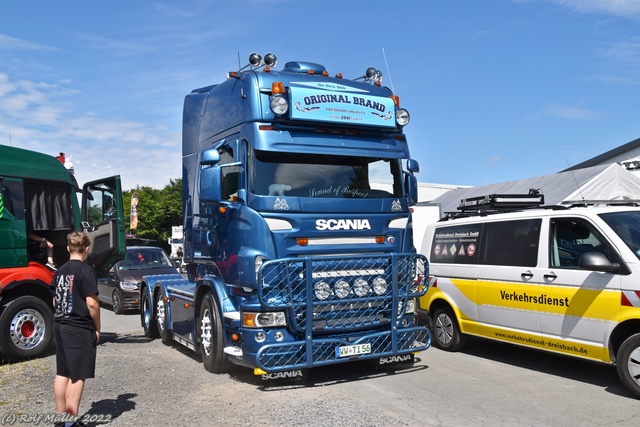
[526,276]
[550,276]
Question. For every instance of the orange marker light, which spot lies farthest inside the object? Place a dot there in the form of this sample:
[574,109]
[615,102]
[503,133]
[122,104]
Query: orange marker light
[247,320]
[277,88]
[379,239]
[222,210]
[396,100]
[302,241]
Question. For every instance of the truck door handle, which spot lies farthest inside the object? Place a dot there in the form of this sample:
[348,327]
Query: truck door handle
[550,276]
[527,275]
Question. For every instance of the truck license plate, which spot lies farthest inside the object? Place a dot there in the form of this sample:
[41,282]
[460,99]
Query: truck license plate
[353,350]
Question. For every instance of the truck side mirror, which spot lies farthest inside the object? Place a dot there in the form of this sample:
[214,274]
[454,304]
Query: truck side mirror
[411,187]
[210,157]
[413,166]
[210,184]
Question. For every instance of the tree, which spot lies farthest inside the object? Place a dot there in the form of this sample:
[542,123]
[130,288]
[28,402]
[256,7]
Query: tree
[158,211]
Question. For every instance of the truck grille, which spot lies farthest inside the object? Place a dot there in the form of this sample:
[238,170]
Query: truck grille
[333,302]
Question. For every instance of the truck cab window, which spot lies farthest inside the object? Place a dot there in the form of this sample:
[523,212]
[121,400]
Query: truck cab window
[323,176]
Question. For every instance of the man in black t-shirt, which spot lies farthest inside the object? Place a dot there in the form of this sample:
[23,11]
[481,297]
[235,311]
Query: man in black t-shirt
[76,324]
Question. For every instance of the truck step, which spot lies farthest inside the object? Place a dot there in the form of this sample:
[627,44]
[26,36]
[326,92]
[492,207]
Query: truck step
[233,351]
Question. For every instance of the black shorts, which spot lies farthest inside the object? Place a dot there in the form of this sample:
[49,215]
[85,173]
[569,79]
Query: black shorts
[75,351]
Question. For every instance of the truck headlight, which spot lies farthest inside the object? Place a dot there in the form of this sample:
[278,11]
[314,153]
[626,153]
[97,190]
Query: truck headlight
[263,320]
[279,105]
[402,117]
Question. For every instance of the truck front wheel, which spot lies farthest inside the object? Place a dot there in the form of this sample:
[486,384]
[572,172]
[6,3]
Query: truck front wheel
[26,328]
[211,337]
[161,317]
[628,363]
[149,325]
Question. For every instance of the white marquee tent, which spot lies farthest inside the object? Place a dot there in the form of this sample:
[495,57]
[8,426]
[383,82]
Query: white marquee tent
[597,183]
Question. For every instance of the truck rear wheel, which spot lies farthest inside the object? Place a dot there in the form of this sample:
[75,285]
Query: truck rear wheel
[628,363]
[446,330]
[161,318]
[211,337]
[149,325]
[26,328]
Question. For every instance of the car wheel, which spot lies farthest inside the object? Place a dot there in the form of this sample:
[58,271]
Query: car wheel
[446,330]
[149,326]
[162,319]
[116,302]
[628,363]
[26,328]
[211,336]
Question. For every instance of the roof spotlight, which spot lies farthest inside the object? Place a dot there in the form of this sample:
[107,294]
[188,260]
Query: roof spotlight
[255,60]
[368,75]
[270,60]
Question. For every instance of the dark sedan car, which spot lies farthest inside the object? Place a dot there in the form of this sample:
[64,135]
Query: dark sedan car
[121,287]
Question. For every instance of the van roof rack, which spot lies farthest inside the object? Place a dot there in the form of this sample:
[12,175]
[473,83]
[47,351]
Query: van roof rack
[496,203]
[503,201]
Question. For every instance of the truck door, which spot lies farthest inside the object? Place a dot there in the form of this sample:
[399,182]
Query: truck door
[103,219]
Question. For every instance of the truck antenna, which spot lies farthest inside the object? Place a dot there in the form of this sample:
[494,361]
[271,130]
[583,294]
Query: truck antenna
[576,181]
[388,72]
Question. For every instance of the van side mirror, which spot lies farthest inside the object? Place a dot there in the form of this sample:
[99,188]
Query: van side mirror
[596,261]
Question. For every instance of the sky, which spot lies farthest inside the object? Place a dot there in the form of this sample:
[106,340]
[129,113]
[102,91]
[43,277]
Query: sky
[497,90]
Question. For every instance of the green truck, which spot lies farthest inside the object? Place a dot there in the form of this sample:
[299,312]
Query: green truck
[38,197]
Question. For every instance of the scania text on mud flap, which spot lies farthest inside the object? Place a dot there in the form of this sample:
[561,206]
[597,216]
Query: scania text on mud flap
[38,201]
[297,224]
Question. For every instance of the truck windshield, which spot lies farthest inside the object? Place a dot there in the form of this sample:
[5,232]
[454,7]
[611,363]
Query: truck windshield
[323,176]
[627,226]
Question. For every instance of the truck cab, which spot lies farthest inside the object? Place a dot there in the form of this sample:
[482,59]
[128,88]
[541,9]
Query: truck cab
[297,223]
[38,198]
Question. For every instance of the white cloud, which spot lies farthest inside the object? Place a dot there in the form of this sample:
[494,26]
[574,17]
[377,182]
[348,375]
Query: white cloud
[12,43]
[625,8]
[570,112]
[40,116]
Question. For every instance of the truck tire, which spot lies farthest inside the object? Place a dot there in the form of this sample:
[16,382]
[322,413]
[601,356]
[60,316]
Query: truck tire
[147,317]
[161,319]
[26,328]
[446,331]
[211,336]
[628,364]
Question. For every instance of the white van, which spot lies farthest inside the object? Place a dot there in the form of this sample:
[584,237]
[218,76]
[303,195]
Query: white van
[566,280]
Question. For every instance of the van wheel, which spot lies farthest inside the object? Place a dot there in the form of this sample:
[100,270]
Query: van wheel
[446,330]
[628,363]
[149,326]
[161,317]
[211,337]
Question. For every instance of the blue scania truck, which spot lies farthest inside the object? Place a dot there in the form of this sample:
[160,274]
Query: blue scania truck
[297,189]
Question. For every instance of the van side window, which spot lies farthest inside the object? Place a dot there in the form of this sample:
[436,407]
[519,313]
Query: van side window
[456,244]
[512,243]
[570,238]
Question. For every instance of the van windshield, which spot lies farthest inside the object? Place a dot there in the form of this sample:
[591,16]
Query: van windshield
[323,176]
[627,226]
